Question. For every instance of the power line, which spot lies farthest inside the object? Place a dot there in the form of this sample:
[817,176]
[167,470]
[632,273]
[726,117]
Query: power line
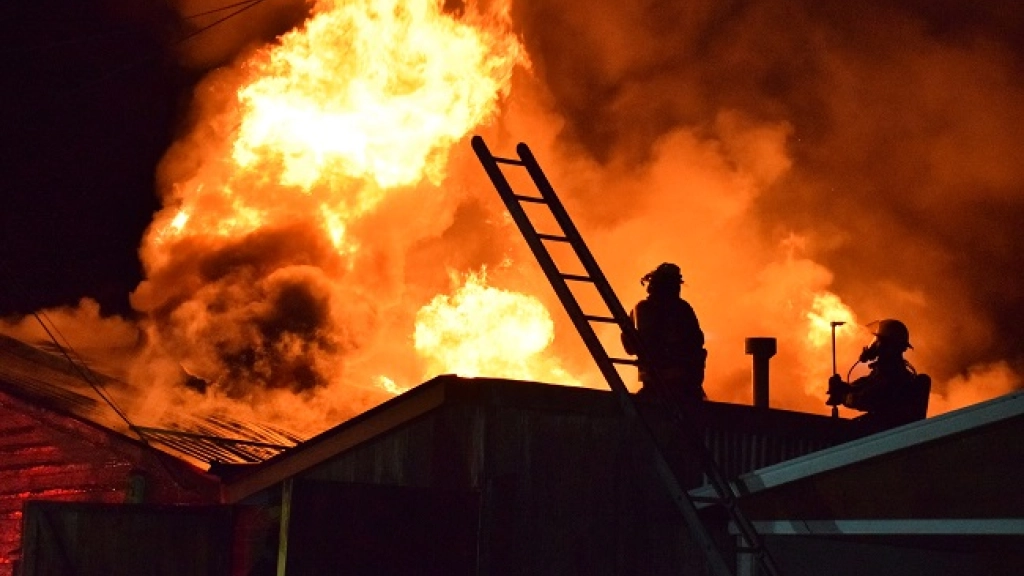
[86,374]
[242,7]
[220,9]
[77,362]
[80,366]
[245,6]
[125,30]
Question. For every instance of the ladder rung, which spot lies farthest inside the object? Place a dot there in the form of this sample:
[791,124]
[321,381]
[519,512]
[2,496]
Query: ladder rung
[687,503]
[511,161]
[534,199]
[552,237]
[576,277]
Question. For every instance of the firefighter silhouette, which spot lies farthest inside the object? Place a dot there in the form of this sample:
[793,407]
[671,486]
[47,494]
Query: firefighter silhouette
[671,340]
[893,393]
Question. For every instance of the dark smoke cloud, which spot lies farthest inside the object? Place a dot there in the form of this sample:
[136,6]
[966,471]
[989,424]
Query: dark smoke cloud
[905,142]
[263,303]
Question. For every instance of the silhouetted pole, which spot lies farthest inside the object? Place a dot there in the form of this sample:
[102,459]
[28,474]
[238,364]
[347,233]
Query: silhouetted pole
[835,408]
[762,349]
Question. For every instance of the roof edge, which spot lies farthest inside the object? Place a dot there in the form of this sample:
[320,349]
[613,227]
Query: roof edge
[888,527]
[929,430]
[387,416]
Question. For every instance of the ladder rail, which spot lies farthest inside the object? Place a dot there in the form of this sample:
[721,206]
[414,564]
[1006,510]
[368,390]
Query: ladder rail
[547,263]
[589,262]
[582,251]
[606,364]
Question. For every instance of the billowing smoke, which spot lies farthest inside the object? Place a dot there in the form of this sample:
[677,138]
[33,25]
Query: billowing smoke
[108,344]
[261,314]
[310,211]
[877,142]
[328,239]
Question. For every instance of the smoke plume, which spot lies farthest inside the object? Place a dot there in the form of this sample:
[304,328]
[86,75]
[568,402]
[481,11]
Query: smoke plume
[873,146]
[327,238]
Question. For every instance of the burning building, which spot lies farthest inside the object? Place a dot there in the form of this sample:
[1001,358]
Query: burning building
[60,443]
[490,476]
[326,240]
[65,442]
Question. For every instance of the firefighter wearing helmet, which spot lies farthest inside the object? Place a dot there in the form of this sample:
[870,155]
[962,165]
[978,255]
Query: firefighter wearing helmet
[671,341]
[893,393]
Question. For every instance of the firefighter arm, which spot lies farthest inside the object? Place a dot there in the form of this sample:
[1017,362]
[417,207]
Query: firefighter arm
[863,394]
[627,342]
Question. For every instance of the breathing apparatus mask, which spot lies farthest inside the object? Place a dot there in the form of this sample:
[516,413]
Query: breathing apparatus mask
[891,333]
[869,353]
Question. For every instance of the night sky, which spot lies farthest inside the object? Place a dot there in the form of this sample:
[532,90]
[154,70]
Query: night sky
[89,103]
[93,94]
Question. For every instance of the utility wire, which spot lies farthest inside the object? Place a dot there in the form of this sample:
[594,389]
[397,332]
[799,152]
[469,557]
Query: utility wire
[86,373]
[245,6]
[64,348]
[121,31]
[161,457]
[242,7]
[80,366]
[220,9]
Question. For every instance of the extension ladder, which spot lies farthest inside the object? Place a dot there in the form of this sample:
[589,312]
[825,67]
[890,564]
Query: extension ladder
[616,314]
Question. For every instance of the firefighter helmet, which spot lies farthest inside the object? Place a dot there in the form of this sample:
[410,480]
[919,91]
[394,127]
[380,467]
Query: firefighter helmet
[893,332]
[666,272]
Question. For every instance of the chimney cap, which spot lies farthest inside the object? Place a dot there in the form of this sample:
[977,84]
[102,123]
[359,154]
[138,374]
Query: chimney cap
[761,346]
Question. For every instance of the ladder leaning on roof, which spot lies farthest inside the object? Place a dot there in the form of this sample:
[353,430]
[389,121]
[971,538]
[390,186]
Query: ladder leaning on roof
[616,314]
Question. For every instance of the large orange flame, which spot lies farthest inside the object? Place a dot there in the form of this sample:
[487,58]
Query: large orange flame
[312,168]
[325,232]
[484,331]
[367,97]
[374,91]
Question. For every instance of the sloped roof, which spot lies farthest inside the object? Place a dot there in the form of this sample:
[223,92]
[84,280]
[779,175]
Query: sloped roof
[734,430]
[49,380]
[958,471]
[53,382]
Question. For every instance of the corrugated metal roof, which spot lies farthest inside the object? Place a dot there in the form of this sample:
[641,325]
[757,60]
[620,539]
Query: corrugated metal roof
[207,446]
[50,380]
[964,464]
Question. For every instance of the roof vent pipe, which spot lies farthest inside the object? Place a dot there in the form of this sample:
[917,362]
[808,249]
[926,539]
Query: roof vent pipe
[762,349]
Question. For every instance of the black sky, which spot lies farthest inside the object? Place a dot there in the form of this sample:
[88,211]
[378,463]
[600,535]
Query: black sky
[89,102]
[93,93]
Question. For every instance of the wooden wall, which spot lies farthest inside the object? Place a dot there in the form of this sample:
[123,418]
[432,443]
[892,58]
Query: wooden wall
[45,455]
[566,483]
